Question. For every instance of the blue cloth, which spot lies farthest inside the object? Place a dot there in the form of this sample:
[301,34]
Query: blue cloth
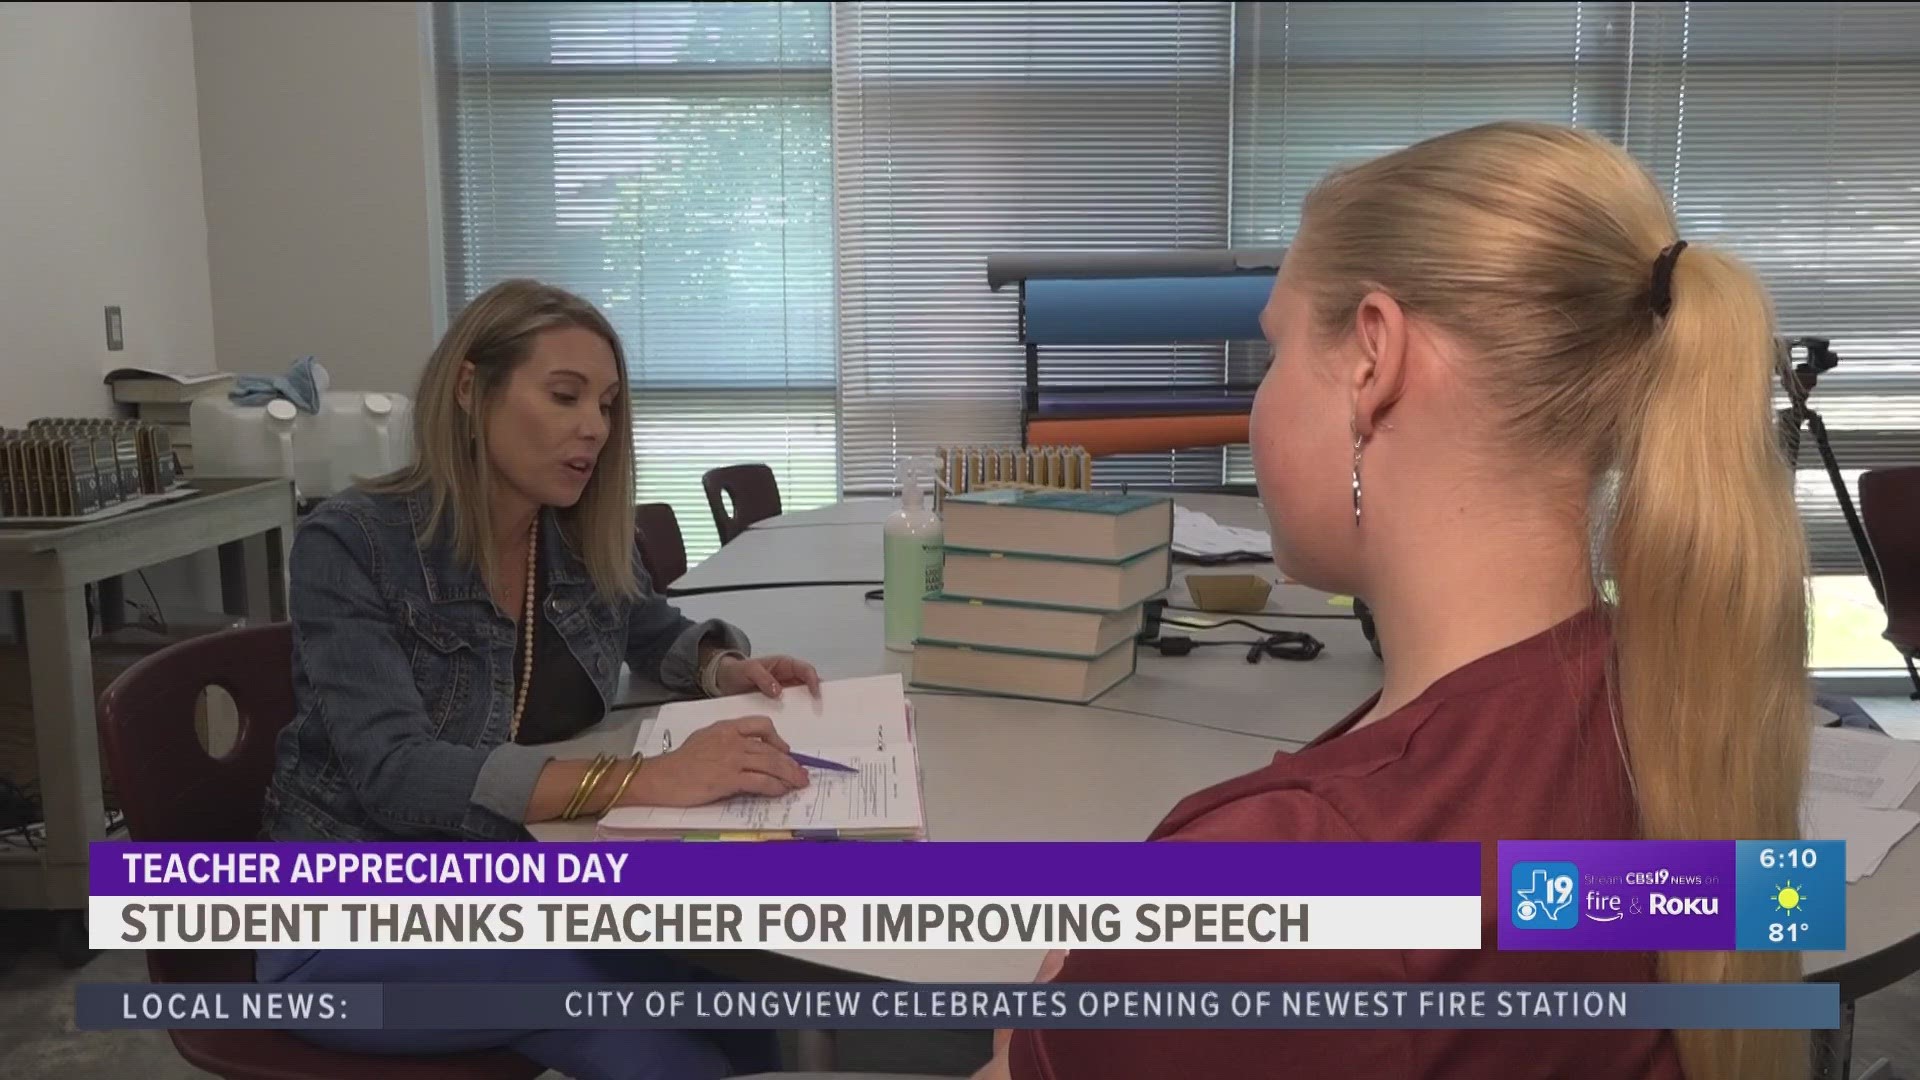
[301,385]
[404,674]
[608,1054]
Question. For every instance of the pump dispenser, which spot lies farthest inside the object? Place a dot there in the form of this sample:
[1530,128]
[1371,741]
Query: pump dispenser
[912,551]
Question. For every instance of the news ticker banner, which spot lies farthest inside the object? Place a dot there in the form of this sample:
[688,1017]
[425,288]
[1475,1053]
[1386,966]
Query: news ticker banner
[1114,1006]
[1548,895]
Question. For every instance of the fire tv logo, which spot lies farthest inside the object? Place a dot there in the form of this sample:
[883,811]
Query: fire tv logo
[1544,897]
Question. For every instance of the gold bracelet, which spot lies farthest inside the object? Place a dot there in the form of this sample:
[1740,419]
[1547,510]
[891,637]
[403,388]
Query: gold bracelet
[566,813]
[624,781]
[601,766]
[594,771]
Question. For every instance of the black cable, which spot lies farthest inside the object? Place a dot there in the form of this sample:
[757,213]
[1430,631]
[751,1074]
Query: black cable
[709,590]
[1265,615]
[1278,644]
[1217,623]
[158,613]
[929,692]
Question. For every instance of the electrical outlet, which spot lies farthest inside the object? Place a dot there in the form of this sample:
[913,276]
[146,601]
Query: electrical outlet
[116,340]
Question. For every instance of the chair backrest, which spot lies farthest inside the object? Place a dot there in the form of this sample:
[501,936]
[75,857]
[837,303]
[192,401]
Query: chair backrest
[169,786]
[755,494]
[662,549]
[1890,513]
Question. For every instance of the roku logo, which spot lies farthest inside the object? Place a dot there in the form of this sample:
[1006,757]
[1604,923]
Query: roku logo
[1682,905]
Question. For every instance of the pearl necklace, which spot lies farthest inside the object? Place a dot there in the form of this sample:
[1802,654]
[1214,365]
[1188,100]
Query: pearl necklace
[526,623]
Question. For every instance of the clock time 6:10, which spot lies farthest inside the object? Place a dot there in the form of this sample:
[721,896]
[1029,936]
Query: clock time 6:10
[1790,858]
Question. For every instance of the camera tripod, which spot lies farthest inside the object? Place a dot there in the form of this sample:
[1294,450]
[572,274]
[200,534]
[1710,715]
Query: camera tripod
[1798,380]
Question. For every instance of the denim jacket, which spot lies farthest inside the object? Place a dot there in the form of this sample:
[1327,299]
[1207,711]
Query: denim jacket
[403,675]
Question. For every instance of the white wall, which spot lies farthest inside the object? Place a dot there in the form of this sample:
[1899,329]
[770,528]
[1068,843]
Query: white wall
[318,146]
[100,201]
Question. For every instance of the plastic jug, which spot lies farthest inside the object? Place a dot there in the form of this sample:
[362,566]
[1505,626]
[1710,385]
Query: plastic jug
[355,436]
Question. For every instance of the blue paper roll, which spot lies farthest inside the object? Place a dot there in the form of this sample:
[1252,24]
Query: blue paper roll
[1145,311]
[1086,403]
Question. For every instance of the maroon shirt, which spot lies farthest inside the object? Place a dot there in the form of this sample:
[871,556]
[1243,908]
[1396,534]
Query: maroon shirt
[1516,745]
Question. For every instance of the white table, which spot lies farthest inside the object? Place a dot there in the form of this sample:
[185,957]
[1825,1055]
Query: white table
[840,633]
[999,770]
[842,543]
[850,512]
[247,522]
[1002,769]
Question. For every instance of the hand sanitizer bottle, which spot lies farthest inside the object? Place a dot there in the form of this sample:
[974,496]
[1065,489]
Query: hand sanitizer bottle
[913,552]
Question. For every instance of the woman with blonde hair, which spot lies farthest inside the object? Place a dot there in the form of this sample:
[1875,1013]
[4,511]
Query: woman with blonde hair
[451,619]
[1532,427]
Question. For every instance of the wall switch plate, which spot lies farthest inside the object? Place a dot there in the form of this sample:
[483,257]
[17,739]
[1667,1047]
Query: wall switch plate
[116,340]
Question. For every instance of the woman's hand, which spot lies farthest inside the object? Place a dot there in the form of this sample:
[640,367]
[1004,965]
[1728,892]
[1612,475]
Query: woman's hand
[745,756]
[767,674]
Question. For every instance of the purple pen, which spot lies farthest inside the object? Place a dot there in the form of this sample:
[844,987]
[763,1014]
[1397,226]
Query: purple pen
[821,763]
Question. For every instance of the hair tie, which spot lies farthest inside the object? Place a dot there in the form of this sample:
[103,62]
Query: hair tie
[1663,277]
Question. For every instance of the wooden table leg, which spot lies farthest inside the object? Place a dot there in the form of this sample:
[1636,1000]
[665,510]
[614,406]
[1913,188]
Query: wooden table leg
[60,664]
[245,589]
[113,604]
[277,573]
[233,578]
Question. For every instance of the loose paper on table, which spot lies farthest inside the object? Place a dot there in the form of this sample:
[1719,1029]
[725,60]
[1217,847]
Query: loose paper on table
[862,723]
[1869,833]
[1198,536]
[1856,783]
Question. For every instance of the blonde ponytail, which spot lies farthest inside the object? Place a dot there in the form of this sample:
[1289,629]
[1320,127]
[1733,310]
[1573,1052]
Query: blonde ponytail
[1535,247]
[1707,558]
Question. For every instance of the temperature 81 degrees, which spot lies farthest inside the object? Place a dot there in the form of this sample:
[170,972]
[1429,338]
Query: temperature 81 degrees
[1786,933]
[1791,895]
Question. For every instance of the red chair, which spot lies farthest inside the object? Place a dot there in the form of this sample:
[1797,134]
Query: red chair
[663,551]
[1890,513]
[170,788]
[755,494]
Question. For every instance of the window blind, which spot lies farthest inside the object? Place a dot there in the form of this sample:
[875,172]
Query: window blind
[671,163]
[1790,134]
[1317,86]
[962,129]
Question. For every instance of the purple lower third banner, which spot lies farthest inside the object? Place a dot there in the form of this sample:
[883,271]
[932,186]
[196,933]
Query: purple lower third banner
[127,868]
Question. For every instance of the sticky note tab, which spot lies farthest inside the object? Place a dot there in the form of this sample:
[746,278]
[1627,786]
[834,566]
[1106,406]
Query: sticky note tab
[1340,601]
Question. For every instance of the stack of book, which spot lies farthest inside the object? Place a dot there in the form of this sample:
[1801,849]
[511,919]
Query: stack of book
[165,399]
[1042,592]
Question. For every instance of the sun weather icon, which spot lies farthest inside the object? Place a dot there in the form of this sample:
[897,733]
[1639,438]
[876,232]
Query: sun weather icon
[1787,895]
[1544,896]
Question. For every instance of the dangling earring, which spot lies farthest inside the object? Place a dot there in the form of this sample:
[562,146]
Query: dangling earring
[1358,444]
